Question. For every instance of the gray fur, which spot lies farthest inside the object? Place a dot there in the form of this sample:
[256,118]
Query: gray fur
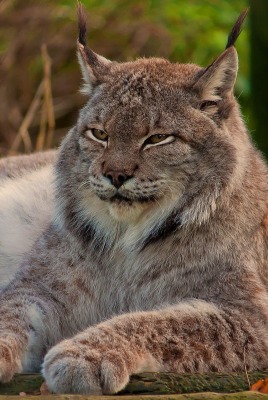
[168,272]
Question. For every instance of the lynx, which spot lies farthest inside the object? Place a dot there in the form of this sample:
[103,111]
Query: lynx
[23,220]
[153,250]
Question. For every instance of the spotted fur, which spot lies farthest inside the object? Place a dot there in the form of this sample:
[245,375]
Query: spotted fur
[166,271]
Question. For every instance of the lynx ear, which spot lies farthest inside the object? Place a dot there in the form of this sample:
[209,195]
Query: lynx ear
[93,67]
[217,80]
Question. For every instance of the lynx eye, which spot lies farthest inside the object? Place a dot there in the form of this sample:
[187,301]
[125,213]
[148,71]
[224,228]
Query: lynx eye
[99,134]
[158,138]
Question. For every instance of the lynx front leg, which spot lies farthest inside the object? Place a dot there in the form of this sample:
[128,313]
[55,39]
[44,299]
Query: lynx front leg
[28,325]
[192,337]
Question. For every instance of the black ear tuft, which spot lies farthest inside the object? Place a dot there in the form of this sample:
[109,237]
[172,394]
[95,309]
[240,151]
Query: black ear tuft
[82,23]
[236,30]
[94,67]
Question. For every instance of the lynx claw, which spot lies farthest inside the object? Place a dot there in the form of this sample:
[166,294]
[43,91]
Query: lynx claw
[87,371]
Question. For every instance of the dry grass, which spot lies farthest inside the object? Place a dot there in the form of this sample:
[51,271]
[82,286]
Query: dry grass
[42,101]
[38,86]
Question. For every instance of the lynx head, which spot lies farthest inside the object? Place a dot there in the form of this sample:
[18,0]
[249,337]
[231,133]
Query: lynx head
[154,137]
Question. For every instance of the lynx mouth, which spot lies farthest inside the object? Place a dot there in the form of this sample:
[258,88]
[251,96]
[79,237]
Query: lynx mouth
[120,199]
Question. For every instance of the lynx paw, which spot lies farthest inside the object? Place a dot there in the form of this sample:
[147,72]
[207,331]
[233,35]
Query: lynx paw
[9,364]
[71,368]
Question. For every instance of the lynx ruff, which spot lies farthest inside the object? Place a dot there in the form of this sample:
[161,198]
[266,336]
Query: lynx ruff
[152,255]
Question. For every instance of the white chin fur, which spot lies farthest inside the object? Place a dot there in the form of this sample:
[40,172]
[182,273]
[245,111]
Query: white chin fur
[127,213]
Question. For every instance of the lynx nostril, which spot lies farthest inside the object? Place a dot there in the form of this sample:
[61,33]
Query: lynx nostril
[122,178]
[117,178]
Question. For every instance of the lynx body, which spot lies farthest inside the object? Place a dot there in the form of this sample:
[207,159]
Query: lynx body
[152,251]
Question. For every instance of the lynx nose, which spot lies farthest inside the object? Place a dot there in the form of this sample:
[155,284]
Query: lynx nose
[117,178]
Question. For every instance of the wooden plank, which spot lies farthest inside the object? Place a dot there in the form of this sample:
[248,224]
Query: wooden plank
[153,384]
[192,396]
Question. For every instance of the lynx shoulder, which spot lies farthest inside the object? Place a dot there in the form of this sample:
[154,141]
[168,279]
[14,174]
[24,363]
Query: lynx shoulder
[26,197]
[16,166]
[153,253]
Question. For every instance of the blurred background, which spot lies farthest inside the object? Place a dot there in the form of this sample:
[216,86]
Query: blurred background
[40,77]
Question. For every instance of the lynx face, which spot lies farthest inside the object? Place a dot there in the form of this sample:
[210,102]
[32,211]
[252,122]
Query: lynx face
[136,133]
[152,137]
[144,135]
